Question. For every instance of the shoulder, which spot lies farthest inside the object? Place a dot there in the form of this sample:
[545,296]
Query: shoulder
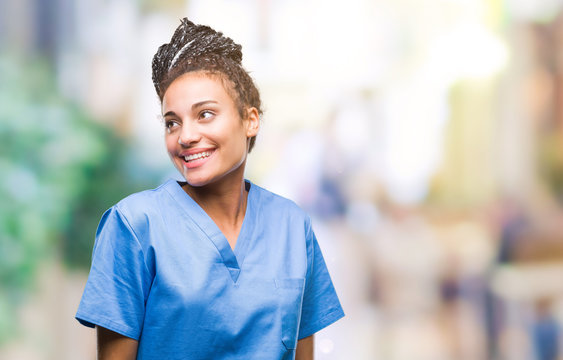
[143,199]
[138,209]
[271,203]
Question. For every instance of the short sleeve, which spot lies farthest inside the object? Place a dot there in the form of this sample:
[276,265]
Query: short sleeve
[321,306]
[119,280]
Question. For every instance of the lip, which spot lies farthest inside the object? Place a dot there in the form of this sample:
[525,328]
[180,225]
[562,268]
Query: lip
[195,151]
[196,163]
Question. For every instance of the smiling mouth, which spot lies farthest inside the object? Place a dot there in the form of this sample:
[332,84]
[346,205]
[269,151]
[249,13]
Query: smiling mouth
[198,156]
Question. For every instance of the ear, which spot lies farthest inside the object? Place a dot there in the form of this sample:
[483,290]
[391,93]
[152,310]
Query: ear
[252,122]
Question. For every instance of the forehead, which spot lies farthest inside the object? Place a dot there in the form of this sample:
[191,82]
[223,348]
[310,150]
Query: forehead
[194,87]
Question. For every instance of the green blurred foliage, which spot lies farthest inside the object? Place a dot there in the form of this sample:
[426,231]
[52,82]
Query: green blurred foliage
[59,171]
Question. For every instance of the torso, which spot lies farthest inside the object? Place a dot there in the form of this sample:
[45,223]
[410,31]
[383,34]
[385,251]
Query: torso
[249,286]
[172,280]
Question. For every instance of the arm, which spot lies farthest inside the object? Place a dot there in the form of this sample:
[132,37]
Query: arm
[114,346]
[305,348]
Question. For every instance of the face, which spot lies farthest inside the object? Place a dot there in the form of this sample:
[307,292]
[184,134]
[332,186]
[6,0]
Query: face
[206,138]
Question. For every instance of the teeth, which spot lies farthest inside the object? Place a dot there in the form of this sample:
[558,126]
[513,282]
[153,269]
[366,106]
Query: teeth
[200,155]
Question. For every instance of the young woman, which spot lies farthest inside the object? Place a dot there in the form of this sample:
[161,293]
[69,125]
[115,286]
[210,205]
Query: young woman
[214,267]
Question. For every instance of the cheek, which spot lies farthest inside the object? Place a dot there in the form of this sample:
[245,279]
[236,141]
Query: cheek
[237,139]
[233,136]
[170,142]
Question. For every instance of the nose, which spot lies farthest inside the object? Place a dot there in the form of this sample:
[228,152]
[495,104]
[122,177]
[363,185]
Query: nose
[189,134]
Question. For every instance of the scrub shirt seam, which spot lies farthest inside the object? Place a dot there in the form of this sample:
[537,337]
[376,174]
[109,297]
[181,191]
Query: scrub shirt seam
[310,261]
[332,316]
[102,321]
[193,220]
[122,215]
[246,225]
[203,232]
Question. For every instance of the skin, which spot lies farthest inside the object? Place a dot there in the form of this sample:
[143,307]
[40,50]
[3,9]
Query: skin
[199,114]
[114,346]
[305,348]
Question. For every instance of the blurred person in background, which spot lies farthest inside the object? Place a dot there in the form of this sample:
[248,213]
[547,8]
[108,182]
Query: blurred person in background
[213,266]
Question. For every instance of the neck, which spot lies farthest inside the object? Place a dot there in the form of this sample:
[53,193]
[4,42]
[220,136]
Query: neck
[224,201]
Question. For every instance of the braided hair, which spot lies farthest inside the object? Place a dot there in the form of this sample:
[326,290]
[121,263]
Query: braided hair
[200,48]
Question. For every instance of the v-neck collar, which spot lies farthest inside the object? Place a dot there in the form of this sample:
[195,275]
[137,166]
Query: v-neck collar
[233,260]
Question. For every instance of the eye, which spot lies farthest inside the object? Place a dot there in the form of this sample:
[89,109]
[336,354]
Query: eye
[206,115]
[170,124]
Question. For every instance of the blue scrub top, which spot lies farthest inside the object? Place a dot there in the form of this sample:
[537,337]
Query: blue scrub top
[164,274]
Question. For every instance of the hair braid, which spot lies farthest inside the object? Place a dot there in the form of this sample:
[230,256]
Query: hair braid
[191,41]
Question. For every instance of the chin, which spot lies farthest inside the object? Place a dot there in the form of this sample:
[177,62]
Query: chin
[204,177]
[196,184]
[191,178]
[197,181]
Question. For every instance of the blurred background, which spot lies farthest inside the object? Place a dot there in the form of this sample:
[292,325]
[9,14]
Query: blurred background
[424,137]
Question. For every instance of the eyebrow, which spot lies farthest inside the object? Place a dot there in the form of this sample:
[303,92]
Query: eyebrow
[194,106]
[169,113]
[204,102]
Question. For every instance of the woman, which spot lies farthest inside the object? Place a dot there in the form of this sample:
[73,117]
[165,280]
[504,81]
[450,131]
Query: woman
[214,267]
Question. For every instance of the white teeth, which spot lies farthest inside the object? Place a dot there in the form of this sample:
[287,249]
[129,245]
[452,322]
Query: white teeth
[200,155]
